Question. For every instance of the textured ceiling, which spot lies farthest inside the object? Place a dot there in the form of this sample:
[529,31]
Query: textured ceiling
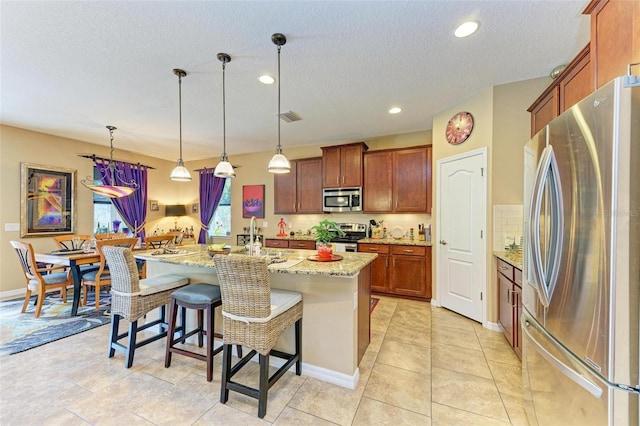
[70,68]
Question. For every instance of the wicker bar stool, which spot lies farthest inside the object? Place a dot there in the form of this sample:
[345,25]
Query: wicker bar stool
[202,297]
[132,298]
[255,316]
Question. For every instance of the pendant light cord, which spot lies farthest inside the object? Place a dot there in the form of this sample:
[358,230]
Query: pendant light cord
[224,115]
[180,110]
[279,150]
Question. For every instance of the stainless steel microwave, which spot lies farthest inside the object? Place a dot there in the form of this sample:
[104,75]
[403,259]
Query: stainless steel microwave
[342,199]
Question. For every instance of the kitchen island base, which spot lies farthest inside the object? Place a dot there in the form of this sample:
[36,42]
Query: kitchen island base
[335,319]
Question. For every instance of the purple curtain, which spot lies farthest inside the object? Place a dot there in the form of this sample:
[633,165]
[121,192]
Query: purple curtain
[211,188]
[132,208]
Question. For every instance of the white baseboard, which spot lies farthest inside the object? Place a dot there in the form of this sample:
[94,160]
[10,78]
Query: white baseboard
[310,370]
[435,303]
[12,294]
[493,326]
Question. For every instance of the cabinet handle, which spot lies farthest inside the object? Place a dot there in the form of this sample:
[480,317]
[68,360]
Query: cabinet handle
[407,250]
[386,262]
[343,179]
[389,203]
[504,268]
[373,249]
[509,298]
[394,262]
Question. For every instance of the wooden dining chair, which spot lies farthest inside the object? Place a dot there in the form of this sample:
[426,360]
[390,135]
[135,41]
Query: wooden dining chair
[178,236]
[110,236]
[102,277]
[72,242]
[37,279]
[158,241]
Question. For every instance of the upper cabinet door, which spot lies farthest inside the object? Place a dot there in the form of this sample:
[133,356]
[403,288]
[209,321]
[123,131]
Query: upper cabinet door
[378,182]
[285,191]
[410,180]
[331,169]
[309,185]
[342,165]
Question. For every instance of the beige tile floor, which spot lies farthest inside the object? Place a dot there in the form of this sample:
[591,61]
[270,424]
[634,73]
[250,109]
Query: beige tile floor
[424,366]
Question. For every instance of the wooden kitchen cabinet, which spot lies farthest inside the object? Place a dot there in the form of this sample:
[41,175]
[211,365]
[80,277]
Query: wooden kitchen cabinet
[299,191]
[342,165]
[615,38]
[291,244]
[614,44]
[510,303]
[398,180]
[400,270]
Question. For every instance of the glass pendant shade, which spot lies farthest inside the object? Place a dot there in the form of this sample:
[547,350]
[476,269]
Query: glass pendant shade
[224,169]
[279,164]
[180,173]
[112,175]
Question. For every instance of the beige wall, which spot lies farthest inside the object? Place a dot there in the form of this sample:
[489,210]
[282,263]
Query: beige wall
[502,124]
[18,145]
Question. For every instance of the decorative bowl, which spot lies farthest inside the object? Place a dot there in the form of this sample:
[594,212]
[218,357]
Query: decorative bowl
[223,251]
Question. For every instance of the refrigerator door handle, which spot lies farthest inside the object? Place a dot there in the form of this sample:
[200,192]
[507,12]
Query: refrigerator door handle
[582,381]
[548,168]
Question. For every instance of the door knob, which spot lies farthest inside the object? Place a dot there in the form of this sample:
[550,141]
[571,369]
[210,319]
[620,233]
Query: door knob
[443,242]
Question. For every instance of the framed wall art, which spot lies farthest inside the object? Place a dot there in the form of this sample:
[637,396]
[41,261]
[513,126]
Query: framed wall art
[194,208]
[154,206]
[47,200]
[253,201]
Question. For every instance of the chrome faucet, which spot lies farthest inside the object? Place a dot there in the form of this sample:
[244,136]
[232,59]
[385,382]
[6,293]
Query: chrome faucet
[252,225]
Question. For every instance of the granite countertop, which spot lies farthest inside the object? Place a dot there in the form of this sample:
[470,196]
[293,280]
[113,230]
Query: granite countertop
[402,241]
[196,255]
[513,258]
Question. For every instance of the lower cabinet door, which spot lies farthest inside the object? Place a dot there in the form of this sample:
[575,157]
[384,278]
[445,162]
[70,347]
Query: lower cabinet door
[506,306]
[409,275]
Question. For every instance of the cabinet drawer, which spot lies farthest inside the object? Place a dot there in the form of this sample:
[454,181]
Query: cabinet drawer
[409,250]
[276,243]
[517,276]
[506,269]
[306,245]
[373,248]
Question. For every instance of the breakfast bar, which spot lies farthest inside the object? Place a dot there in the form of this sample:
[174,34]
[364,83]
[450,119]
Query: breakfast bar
[335,295]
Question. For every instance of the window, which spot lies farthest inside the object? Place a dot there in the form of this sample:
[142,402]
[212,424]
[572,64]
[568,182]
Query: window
[220,225]
[105,215]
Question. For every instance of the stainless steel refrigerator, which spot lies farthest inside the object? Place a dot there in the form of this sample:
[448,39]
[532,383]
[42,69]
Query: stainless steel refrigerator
[581,315]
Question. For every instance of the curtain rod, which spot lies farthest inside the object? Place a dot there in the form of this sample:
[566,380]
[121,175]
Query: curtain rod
[93,157]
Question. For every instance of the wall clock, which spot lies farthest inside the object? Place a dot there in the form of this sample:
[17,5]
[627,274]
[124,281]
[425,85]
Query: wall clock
[459,128]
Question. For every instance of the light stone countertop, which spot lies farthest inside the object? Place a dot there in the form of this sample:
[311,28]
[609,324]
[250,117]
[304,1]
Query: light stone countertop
[512,258]
[296,237]
[197,256]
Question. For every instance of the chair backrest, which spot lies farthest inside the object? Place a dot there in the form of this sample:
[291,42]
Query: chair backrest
[158,241]
[123,269]
[113,242]
[27,260]
[109,236]
[244,285]
[67,241]
[178,236]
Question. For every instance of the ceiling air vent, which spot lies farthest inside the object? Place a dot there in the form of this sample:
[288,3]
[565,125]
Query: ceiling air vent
[289,116]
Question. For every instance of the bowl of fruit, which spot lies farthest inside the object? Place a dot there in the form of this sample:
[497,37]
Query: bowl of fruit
[214,249]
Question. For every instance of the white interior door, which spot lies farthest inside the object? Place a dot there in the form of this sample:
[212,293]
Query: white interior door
[460,240]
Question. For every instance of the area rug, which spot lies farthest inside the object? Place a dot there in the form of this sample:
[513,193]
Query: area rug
[20,332]
[373,302]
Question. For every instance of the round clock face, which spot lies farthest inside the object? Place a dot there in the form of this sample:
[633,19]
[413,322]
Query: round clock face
[459,128]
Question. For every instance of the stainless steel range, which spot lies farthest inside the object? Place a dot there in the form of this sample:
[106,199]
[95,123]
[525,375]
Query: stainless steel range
[353,233]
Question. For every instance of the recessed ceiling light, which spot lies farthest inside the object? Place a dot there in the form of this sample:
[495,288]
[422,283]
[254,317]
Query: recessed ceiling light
[395,110]
[466,29]
[266,79]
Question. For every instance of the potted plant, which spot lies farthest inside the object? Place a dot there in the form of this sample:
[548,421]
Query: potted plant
[325,231]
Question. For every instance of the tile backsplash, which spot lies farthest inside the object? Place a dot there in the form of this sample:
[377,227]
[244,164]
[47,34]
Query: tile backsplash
[507,226]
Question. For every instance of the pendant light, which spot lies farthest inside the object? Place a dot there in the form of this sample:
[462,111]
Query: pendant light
[117,187]
[279,163]
[180,172]
[224,169]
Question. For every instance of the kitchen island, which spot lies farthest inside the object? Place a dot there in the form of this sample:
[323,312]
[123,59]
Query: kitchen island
[335,296]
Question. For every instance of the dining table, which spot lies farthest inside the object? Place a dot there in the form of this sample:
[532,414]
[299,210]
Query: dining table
[73,259]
